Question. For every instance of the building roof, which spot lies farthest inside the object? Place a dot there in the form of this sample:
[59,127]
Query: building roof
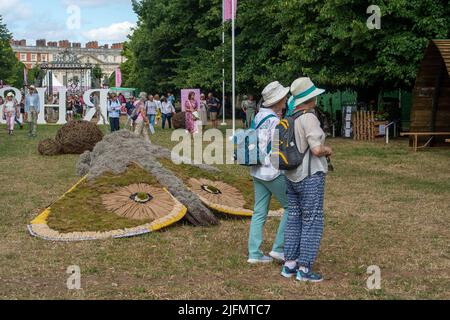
[444,49]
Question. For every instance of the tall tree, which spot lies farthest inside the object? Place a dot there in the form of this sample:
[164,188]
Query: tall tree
[10,67]
[331,42]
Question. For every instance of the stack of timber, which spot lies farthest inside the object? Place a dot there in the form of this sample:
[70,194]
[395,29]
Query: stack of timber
[364,126]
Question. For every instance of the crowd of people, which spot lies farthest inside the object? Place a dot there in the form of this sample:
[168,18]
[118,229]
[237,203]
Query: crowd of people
[158,110]
[143,112]
[155,110]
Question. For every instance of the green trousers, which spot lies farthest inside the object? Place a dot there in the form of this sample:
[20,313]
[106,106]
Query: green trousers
[250,114]
[32,121]
[263,194]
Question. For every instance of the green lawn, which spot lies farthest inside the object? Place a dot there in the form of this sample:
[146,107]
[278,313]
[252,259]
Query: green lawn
[384,206]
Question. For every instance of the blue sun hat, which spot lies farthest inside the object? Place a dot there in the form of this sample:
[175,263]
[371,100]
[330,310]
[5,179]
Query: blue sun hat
[302,89]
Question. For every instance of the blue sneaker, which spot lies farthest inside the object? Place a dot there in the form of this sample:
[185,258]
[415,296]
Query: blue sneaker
[309,276]
[288,272]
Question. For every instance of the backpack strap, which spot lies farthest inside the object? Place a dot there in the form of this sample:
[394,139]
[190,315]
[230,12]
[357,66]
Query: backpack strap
[264,120]
[296,115]
[300,113]
[269,145]
[309,162]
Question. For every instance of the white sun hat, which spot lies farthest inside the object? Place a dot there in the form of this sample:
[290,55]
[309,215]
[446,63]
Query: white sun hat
[10,94]
[303,89]
[273,93]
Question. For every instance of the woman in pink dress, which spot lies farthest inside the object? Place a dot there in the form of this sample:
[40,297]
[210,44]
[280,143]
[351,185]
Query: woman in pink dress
[191,108]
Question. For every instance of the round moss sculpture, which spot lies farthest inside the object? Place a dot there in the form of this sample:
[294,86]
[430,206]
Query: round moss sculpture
[77,137]
[49,147]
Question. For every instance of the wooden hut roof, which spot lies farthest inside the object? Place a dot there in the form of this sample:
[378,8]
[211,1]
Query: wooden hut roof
[444,48]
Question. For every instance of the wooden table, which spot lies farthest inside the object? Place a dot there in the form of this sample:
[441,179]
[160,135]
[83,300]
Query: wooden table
[429,134]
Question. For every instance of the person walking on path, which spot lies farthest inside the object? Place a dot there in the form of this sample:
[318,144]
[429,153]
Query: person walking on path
[158,109]
[249,107]
[171,98]
[191,108]
[213,108]
[203,110]
[243,114]
[305,185]
[268,181]
[114,107]
[167,112]
[10,109]
[131,107]
[32,110]
[141,119]
[152,111]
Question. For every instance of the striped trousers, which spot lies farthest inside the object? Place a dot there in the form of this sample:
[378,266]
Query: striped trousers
[304,227]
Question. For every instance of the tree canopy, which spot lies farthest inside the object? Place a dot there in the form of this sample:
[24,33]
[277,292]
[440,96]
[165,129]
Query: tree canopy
[178,43]
[11,70]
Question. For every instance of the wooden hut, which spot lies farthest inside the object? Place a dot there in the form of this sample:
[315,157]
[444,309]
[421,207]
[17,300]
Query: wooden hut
[431,96]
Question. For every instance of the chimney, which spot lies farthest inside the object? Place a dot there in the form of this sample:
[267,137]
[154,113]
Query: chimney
[41,43]
[64,44]
[23,43]
[117,46]
[92,45]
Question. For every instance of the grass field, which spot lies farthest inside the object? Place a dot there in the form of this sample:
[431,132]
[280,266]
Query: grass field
[384,206]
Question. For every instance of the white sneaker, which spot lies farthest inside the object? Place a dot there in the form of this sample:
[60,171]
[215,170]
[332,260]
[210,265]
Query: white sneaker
[263,259]
[277,256]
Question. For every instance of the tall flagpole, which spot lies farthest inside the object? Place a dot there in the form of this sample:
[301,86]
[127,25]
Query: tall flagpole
[224,123]
[233,43]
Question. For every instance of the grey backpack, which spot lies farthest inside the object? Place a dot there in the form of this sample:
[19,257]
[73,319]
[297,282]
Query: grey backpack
[289,156]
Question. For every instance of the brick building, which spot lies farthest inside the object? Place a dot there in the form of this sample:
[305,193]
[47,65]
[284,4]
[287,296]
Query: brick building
[108,58]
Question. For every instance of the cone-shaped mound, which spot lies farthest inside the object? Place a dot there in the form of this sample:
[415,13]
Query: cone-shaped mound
[119,149]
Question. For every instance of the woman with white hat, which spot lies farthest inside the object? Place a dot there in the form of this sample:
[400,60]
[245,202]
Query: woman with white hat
[268,181]
[10,109]
[305,185]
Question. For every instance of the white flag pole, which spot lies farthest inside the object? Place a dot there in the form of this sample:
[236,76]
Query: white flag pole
[224,123]
[233,43]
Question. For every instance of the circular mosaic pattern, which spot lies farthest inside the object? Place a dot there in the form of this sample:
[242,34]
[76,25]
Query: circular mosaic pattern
[139,202]
[220,196]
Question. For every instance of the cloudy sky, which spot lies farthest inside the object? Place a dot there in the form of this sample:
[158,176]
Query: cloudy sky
[106,21]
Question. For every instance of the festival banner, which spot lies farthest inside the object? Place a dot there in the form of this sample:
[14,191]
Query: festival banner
[227,9]
[118,78]
[185,96]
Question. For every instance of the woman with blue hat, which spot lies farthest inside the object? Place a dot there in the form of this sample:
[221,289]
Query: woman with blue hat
[305,185]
